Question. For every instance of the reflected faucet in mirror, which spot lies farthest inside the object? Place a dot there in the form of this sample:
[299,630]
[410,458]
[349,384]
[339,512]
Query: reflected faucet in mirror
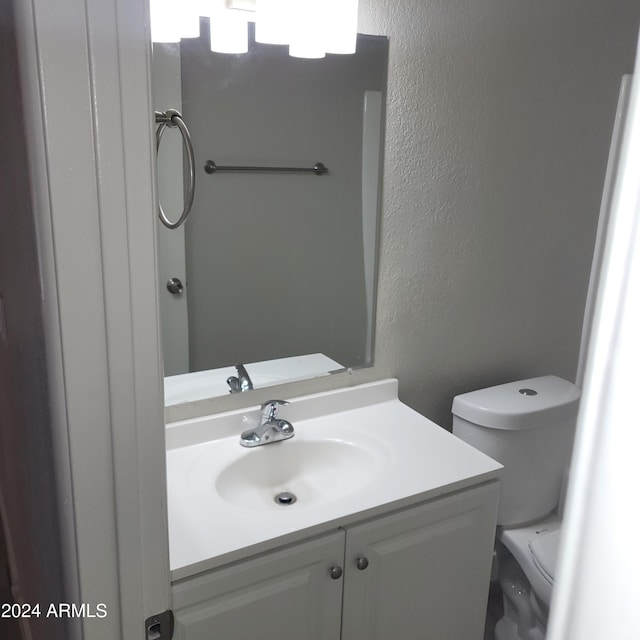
[240,382]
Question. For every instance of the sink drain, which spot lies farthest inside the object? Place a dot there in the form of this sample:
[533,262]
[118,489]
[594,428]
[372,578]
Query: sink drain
[285,498]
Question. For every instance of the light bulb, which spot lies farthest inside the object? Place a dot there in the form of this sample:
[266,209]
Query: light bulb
[229,32]
[308,22]
[189,18]
[342,26]
[164,27]
[273,21]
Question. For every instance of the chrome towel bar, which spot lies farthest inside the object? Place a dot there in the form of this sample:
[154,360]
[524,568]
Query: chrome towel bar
[318,168]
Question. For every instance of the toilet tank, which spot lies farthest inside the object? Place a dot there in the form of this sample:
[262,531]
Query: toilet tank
[528,427]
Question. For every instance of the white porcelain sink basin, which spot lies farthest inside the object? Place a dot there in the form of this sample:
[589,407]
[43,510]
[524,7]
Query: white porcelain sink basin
[300,473]
[355,452]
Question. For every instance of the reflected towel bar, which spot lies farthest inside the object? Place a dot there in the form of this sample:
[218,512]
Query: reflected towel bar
[318,168]
[172,118]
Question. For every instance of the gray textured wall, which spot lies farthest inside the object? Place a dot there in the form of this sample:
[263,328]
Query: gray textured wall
[499,120]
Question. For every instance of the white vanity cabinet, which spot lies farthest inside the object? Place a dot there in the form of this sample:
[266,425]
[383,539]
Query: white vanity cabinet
[417,573]
[422,573]
[284,595]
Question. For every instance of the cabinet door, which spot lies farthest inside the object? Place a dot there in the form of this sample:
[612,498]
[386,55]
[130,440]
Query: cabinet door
[288,595]
[428,571]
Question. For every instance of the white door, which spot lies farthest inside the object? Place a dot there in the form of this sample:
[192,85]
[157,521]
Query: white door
[597,591]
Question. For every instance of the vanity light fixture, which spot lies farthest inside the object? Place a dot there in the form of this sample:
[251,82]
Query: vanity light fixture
[311,28]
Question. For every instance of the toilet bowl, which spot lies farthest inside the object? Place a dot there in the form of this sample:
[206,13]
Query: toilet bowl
[526,575]
[527,426]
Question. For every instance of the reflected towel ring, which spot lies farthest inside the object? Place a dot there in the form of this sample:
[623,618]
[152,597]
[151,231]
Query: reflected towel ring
[172,118]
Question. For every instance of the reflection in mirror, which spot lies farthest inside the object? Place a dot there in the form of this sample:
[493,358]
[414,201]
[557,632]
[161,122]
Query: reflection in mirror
[274,270]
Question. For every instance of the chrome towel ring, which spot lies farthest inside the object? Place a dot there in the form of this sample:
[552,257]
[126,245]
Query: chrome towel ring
[172,118]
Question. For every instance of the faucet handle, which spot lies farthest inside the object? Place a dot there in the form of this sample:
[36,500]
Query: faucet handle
[270,409]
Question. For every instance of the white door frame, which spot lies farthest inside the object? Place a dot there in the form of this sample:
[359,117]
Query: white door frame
[597,592]
[86,90]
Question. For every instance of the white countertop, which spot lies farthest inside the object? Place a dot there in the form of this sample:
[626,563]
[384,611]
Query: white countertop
[419,461]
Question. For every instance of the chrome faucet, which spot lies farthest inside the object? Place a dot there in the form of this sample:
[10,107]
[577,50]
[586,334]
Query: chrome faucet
[241,382]
[271,428]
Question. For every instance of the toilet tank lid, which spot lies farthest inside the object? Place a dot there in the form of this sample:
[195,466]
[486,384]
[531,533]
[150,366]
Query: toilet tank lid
[524,404]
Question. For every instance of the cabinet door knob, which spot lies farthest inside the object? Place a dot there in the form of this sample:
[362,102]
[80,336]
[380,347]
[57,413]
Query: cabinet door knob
[362,563]
[335,573]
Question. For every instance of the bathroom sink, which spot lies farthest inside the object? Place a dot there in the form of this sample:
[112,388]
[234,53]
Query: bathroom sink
[355,452]
[299,473]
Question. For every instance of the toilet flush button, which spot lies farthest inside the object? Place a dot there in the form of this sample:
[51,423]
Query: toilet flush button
[528,392]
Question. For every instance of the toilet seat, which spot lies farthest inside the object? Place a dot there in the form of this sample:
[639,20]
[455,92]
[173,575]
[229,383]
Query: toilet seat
[544,551]
[535,548]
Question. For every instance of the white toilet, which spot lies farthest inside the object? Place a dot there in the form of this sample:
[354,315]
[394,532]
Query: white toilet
[528,426]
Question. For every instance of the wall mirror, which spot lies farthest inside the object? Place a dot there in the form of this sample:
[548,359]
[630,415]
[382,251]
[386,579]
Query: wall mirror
[275,270]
